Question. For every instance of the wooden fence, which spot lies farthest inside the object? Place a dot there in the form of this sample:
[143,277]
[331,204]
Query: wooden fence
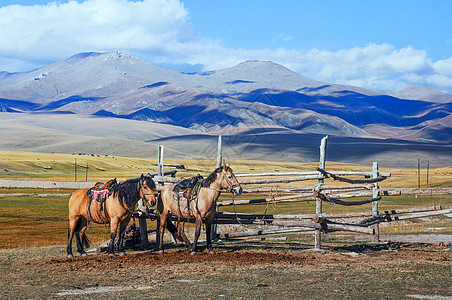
[318,192]
[264,184]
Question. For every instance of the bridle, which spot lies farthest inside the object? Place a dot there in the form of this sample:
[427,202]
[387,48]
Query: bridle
[231,186]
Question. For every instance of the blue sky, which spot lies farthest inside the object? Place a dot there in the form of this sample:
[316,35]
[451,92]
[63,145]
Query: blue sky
[381,45]
[330,25]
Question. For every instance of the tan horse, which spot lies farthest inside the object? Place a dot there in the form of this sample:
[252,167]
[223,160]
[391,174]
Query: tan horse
[201,209]
[116,210]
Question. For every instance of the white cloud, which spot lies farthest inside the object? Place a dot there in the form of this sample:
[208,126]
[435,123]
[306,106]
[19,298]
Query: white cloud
[443,67]
[159,31]
[56,31]
[380,67]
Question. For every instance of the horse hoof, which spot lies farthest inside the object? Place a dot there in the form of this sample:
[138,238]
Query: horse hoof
[193,253]
[111,254]
[161,252]
[122,253]
[83,254]
[70,256]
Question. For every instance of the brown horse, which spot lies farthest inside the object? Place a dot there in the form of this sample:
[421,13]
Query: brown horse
[116,210]
[201,208]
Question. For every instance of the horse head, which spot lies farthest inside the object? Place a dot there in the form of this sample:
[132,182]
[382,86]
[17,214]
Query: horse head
[230,182]
[147,188]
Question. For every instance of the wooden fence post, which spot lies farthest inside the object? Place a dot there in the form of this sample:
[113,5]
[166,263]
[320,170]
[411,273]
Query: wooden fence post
[375,193]
[213,232]
[318,201]
[418,173]
[219,152]
[160,172]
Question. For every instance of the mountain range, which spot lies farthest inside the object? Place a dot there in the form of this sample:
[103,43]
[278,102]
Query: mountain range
[252,95]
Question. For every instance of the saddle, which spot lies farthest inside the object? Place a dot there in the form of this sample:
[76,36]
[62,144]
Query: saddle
[188,187]
[100,191]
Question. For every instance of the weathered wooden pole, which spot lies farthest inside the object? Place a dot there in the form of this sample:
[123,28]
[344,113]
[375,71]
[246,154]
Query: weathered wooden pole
[213,232]
[428,169]
[75,170]
[318,201]
[375,194]
[241,234]
[219,152]
[160,173]
[418,173]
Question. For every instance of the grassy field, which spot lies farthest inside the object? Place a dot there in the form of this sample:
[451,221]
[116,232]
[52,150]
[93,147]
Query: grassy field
[53,166]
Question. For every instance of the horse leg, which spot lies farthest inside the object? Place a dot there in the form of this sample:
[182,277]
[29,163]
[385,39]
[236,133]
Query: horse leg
[197,233]
[208,237]
[73,221]
[84,239]
[79,235]
[122,228]
[163,220]
[113,229]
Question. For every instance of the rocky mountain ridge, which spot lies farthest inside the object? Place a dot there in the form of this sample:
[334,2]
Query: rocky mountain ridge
[253,93]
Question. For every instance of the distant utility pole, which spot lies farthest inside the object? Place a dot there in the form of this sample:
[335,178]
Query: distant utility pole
[75,170]
[86,174]
[428,169]
[418,173]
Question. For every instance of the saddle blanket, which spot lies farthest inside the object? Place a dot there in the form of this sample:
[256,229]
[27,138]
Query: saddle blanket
[102,193]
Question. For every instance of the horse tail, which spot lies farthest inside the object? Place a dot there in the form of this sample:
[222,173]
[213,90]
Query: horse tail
[85,240]
[171,227]
[78,225]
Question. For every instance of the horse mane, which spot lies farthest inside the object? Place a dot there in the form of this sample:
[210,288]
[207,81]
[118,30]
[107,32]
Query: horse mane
[129,191]
[150,182]
[213,176]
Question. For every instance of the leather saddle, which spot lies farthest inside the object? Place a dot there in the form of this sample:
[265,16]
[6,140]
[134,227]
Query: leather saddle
[188,187]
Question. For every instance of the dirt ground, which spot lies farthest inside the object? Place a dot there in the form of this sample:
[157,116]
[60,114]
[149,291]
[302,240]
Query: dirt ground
[245,270]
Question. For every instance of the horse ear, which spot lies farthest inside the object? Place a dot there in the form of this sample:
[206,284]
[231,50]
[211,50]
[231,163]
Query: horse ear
[225,165]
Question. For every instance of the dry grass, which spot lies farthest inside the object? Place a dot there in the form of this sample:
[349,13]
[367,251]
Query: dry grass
[26,165]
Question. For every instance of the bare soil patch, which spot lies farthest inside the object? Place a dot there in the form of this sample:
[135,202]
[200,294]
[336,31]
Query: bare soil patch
[171,258]
[235,271]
